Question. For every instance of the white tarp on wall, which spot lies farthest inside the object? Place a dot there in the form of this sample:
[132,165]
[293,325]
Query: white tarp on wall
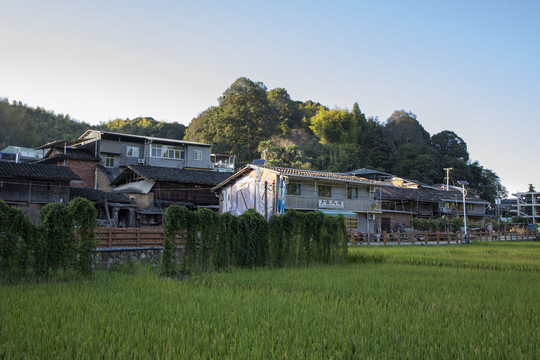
[249,193]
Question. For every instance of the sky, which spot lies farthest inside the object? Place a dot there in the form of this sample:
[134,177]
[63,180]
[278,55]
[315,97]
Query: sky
[472,67]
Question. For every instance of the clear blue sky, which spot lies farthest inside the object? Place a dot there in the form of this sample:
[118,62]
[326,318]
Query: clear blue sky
[468,66]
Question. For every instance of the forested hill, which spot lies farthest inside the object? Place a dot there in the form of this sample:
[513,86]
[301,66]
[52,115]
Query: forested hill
[23,125]
[251,120]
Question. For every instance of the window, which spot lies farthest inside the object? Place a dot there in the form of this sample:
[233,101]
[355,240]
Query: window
[156,150]
[325,191]
[293,189]
[109,161]
[133,151]
[351,223]
[352,193]
[173,152]
[197,155]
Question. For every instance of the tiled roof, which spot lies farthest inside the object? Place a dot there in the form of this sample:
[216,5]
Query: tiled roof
[36,171]
[98,195]
[301,173]
[364,171]
[322,175]
[424,195]
[197,177]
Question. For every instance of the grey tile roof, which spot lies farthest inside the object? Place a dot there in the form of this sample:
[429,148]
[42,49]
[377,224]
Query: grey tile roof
[98,195]
[323,175]
[175,175]
[311,174]
[424,195]
[364,171]
[36,171]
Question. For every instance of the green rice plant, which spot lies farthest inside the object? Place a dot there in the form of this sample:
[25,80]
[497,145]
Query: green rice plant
[359,310]
[520,256]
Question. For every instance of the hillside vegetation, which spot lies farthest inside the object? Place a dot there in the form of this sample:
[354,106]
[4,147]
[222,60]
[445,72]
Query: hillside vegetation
[23,125]
[253,122]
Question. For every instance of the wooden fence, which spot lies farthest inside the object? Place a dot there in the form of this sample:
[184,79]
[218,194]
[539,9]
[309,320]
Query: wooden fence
[108,237]
[427,238]
[150,237]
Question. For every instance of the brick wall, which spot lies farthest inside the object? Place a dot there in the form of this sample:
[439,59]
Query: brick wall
[85,169]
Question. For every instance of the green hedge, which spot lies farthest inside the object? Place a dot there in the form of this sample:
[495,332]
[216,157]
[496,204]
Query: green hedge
[64,240]
[220,242]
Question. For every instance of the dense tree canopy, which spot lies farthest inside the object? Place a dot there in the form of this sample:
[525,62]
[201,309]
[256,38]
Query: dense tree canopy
[145,126]
[22,125]
[251,120]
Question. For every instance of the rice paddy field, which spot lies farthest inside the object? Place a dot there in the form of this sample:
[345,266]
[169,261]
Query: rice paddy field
[446,302]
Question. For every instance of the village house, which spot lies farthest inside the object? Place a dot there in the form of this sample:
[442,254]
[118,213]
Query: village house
[31,186]
[401,204]
[273,190]
[113,152]
[114,210]
[406,199]
[82,161]
[21,154]
[154,188]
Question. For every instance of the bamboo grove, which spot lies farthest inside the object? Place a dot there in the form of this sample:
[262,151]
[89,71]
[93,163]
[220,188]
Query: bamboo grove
[221,242]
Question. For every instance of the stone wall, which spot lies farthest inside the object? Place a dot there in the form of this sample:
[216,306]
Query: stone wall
[107,257]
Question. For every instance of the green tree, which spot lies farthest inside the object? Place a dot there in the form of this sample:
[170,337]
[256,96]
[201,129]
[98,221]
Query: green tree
[418,162]
[288,155]
[285,110]
[16,126]
[403,128]
[200,130]
[334,126]
[450,145]
[244,118]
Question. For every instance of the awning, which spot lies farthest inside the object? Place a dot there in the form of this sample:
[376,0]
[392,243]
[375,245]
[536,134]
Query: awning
[336,213]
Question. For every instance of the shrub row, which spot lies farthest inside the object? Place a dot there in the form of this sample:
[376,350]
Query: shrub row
[64,240]
[441,224]
[217,242]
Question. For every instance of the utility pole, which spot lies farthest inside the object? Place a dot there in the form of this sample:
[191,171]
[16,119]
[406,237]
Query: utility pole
[447,177]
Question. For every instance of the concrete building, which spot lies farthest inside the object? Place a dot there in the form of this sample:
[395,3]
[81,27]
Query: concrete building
[528,205]
[272,190]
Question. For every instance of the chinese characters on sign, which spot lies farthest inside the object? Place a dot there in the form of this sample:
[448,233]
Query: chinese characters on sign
[331,204]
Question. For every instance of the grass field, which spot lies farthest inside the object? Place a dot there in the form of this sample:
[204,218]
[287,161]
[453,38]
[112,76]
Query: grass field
[446,302]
